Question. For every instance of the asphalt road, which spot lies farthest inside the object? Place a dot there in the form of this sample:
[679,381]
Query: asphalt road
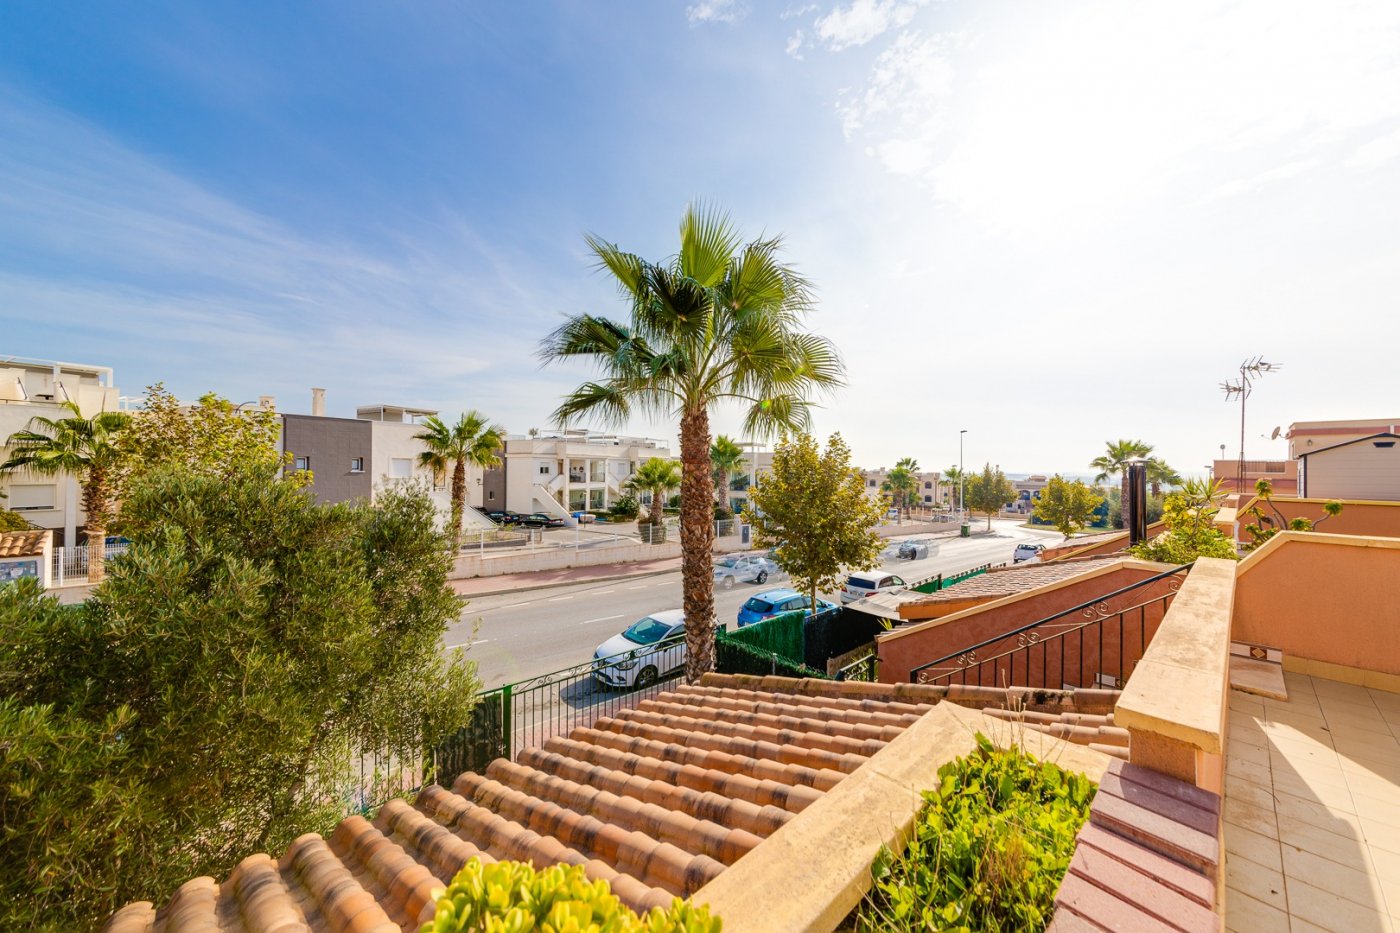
[523,634]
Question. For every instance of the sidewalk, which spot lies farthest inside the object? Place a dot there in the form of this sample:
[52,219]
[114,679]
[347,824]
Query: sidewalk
[568,576]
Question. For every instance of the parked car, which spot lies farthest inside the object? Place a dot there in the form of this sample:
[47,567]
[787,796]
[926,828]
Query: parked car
[868,583]
[503,516]
[917,550]
[1027,552]
[746,568]
[584,518]
[541,520]
[650,647]
[771,603]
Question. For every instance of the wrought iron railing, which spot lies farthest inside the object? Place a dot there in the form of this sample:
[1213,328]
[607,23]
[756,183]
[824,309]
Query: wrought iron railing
[529,713]
[864,668]
[1089,645]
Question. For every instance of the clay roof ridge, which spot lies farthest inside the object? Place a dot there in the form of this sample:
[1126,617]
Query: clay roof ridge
[784,753]
[814,733]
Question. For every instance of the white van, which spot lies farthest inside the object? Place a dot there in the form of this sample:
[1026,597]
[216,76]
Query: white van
[868,583]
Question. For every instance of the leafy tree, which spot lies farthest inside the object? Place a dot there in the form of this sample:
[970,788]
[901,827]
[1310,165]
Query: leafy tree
[625,507]
[13,521]
[726,456]
[902,482]
[1265,527]
[952,478]
[212,437]
[1115,461]
[210,698]
[720,321]
[812,507]
[1190,518]
[988,491]
[658,477]
[1069,505]
[85,448]
[1159,474]
[473,439]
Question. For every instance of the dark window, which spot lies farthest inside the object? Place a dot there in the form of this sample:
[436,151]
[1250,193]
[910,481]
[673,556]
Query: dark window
[491,494]
[870,482]
[303,463]
[928,485]
[357,464]
[1384,443]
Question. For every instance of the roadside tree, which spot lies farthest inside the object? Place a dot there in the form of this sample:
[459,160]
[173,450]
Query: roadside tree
[812,507]
[1069,505]
[902,482]
[211,698]
[473,439]
[726,457]
[988,491]
[658,477]
[1115,462]
[212,437]
[719,321]
[84,448]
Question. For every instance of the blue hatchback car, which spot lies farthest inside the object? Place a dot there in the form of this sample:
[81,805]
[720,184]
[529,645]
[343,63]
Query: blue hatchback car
[770,603]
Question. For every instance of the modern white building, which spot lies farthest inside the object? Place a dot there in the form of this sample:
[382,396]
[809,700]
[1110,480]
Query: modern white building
[572,471]
[926,493]
[30,388]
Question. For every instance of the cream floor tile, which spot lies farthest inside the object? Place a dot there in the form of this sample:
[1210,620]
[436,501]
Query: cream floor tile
[1387,865]
[1297,682]
[1366,745]
[1385,767]
[1365,725]
[1245,703]
[1312,768]
[1368,783]
[1363,708]
[1336,690]
[1251,878]
[1244,843]
[1375,810]
[1346,846]
[1324,910]
[1328,793]
[1243,914]
[1252,818]
[1249,735]
[1301,702]
[1248,760]
[1249,792]
[1288,738]
[1381,836]
[1355,882]
[1307,810]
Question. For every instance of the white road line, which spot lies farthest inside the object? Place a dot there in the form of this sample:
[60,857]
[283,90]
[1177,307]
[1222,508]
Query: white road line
[602,619]
[661,584]
[603,592]
[642,587]
[469,644]
[559,599]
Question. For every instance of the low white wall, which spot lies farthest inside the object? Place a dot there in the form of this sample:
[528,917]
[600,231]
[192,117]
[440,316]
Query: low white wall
[560,558]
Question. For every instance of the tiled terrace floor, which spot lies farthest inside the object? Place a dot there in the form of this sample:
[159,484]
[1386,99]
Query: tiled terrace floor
[1312,809]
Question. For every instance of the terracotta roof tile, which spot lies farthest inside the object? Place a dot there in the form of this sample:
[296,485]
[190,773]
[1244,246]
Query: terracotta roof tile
[22,543]
[657,800]
[1010,581]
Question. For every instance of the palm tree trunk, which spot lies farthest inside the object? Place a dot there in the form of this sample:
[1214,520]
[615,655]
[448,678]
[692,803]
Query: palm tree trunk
[1123,501]
[722,488]
[459,497]
[96,504]
[697,540]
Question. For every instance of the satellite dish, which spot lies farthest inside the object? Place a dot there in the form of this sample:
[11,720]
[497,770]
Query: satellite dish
[1274,436]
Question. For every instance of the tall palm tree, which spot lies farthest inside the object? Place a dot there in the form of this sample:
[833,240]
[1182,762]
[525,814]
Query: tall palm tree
[658,477]
[1115,460]
[726,456]
[473,439]
[84,448]
[902,481]
[720,320]
[951,478]
[1159,474]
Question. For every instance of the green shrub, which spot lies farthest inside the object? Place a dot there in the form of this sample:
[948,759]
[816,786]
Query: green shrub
[625,507]
[989,849]
[13,521]
[512,897]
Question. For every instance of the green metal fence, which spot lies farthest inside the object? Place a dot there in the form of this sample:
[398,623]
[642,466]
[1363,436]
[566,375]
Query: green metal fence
[942,582]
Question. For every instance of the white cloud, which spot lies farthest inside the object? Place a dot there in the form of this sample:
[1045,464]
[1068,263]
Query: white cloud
[1240,186]
[1376,152]
[864,20]
[794,45]
[793,12]
[714,11]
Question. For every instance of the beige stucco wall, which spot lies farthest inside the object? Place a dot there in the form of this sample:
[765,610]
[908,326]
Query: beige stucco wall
[1374,518]
[1324,597]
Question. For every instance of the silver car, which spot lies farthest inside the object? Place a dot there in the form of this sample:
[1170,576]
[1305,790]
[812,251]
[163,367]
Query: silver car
[745,568]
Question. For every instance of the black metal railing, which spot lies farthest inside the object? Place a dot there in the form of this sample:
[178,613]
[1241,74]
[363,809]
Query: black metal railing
[533,711]
[1089,645]
[864,668]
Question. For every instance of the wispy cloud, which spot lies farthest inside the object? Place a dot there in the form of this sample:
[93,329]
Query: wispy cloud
[1376,152]
[715,11]
[794,45]
[864,20]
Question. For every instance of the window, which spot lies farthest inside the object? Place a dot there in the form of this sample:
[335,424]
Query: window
[928,498]
[357,464]
[544,469]
[32,498]
[928,485]
[870,482]
[303,463]
[400,467]
[491,495]
[596,499]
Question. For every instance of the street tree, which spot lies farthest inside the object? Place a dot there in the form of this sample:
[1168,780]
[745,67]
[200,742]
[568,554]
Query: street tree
[726,457]
[988,491]
[216,693]
[721,321]
[84,448]
[472,439]
[1160,474]
[1069,505]
[1115,462]
[658,477]
[812,507]
[950,479]
[901,482]
[212,437]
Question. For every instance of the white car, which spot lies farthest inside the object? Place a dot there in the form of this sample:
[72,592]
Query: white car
[1027,553]
[648,648]
[745,568]
[868,583]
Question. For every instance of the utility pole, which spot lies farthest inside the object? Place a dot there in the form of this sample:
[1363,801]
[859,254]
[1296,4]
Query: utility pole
[1251,371]
[962,486]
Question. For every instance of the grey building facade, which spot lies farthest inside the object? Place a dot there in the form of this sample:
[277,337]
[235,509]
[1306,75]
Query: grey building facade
[337,452]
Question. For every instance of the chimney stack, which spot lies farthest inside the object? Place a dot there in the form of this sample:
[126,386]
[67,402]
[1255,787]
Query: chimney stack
[318,403]
[1135,509]
[266,401]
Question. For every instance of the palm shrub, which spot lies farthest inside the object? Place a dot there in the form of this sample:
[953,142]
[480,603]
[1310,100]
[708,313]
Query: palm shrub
[1115,461]
[719,321]
[657,476]
[472,439]
[207,702]
[85,448]
[726,457]
[1189,514]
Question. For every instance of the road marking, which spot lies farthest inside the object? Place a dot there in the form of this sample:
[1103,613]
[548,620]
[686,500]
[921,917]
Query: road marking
[642,587]
[468,644]
[603,592]
[559,599]
[661,584]
[601,619]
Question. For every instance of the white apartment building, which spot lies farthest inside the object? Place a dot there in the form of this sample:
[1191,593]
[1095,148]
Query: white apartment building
[572,471]
[928,493]
[30,388]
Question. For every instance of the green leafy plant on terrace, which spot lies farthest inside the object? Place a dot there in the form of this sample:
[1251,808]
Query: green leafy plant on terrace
[988,851]
[514,897]
[1191,533]
[1263,527]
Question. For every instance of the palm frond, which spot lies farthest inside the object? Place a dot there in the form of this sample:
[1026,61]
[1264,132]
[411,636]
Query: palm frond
[708,242]
[625,267]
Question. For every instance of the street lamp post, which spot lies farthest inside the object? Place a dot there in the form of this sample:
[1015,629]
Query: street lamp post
[962,486]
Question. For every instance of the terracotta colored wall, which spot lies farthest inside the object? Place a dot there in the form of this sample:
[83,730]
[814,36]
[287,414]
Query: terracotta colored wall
[900,655]
[1112,546]
[1326,601]
[1381,519]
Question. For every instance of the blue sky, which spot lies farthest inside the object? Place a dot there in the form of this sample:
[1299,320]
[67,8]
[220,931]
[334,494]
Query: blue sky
[1051,224]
